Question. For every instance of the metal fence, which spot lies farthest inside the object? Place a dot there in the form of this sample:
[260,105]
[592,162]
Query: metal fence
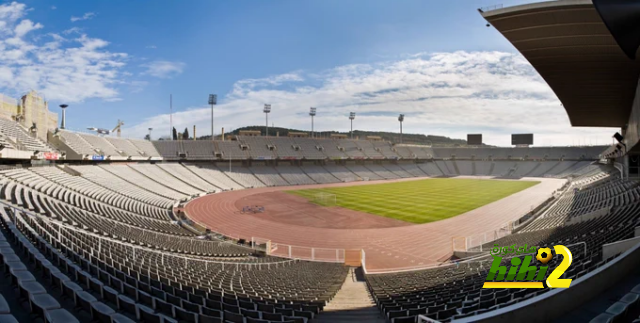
[17,219]
[489,8]
[476,241]
[299,252]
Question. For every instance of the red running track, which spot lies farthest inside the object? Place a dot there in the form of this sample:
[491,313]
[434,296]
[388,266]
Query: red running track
[386,249]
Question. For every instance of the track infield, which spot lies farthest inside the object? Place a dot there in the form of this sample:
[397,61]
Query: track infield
[420,201]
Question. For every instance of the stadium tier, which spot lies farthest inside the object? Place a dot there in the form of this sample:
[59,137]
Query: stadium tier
[283,148]
[455,291]
[367,226]
[108,235]
[83,146]
[17,142]
[107,243]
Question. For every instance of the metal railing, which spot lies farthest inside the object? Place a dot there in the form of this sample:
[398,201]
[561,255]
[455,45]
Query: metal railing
[481,258]
[336,255]
[162,254]
[476,241]
[490,8]
[619,167]
[425,319]
[277,249]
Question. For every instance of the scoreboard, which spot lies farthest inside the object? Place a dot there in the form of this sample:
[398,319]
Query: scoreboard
[474,139]
[522,139]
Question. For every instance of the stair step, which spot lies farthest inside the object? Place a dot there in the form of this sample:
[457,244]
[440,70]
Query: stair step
[352,303]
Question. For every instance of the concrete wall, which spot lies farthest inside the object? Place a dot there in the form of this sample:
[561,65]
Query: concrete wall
[557,302]
[15,154]
[62,146]
[36,110]
[618,247]
[589,216]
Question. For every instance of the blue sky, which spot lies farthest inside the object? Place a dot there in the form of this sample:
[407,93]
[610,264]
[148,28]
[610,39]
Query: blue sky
[434,61]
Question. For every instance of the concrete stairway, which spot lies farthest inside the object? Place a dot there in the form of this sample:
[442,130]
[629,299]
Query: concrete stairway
[353,303]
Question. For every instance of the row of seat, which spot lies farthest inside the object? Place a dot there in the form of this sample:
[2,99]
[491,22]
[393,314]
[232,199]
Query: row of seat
[23,276]
[116,276]
[261,148]
[455,291]
[609,192]
[618,311]
[85,144]
[104,219]
[13,131]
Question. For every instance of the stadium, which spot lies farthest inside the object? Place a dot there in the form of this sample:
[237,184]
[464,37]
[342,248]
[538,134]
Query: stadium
[259,227]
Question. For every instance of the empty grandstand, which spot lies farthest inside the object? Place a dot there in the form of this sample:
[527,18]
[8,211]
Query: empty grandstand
[18,142]
[98,228]
[137,255]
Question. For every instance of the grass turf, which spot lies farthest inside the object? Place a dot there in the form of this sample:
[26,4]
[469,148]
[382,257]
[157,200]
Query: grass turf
[421,201]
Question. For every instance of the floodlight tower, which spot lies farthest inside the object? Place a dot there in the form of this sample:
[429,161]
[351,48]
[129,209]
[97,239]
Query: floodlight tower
[312,113]
[352,115]
[213,100]
[63,123]
[401,118]
[267,110]
[150,133]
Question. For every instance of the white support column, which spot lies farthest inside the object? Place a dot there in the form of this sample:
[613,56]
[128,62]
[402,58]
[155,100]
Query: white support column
[625,167]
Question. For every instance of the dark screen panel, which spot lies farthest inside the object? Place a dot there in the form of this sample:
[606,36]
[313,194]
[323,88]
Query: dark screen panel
[474,139]
[522,139]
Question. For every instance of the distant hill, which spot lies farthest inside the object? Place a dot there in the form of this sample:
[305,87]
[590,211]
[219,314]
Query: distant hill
[407,138]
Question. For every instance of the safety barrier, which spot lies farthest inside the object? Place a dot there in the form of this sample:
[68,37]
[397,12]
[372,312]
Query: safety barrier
[474,242]
[299,252]
[135,250]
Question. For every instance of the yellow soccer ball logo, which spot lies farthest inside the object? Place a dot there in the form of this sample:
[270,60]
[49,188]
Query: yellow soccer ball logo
[544,255]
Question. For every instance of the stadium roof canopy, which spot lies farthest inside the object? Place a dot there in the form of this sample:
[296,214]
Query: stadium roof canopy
[567,42]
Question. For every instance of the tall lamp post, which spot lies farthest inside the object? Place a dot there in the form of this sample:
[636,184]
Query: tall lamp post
[267,110]
[213,100]
[401,118]
[352,115]
[150,133]
[63,123]
[312,113]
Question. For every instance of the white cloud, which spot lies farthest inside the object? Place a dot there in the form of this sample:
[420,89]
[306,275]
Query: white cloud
[54,7]
[72,30]
[86,16]
[448,94]
[26,26]
[151,47]
[63,69]
[163,69]
[12,11]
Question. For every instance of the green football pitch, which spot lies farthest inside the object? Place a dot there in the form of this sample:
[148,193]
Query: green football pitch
[420,201]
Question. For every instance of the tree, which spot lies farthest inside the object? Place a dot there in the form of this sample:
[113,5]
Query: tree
[185,134]
[175,134]
[147,137]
